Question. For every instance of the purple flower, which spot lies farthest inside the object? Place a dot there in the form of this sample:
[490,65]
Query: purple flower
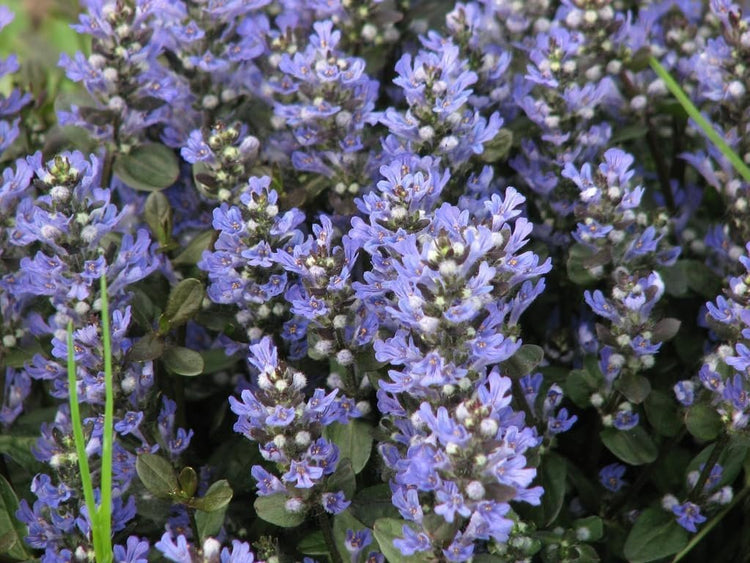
[625,420]
[358,540]
[334,503]
[611,477]
[179,551]
[688,515]
[302,474]
[561,422]
[412,542]
[135,551]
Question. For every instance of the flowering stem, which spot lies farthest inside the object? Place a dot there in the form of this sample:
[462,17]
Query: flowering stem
[325,527]
[701,121]
[708,466]
[711,524]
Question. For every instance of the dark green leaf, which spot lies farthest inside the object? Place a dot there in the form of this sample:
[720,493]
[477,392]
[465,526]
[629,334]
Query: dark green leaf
[18,448]
[157,475]
[629,133]
[342,522]
[701,279]
[552,476]
[593,526]
[209,523]
[158,215]
[143,308]
[372,503]
[188,480]
[666,329]
[655,535]
[581,384]
[272,508]
[635,387]
[385,531]
[313,544]
[147,348]
[578,266]
[584,554]
[148,167]
[194,250]
[730,460]
[183,361]
[703,422]
[184,302]
[354,440]
[661,411]
[216,359]
[218,496]
[675,279]
[343,479]
[634,446]
[498,148]
[12,531]
[523,362]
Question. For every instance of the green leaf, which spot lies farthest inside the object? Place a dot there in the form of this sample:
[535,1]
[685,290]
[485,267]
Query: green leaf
[730,460]
[12,531]
[655,535]
[584,554]
[385,531]
[158,215]
[498,148]
[343,479]
[523,362]
[703,422]
[218,496]
[675,279]
[157,475]
[209,523]
[354,441]
[342,522]
[665,329]
[18,448]
[592,528]
[552,475]
[579,270]
[216,359]
[634,446]
[183,361]
[313,544]
[582,383]
[188,480]
[184,302]
[629,133]
[147,348]
[372,503]
[194,250]
[701,279]
[149,167]
[635,387]
[662,413]
[271,508]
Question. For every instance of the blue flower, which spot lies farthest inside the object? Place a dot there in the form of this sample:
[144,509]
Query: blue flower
[688,515]
[611,475]
[335,503]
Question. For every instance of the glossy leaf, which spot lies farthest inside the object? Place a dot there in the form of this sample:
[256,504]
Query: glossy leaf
[157,475]
[12,531]
[636,388]
[158,215]
[354,441]
[703,422]
[662,413]
[655,535]
[218,496]
[634,446]
[184,302]
[183,361]
[523,362]
[272,509]
[149,167]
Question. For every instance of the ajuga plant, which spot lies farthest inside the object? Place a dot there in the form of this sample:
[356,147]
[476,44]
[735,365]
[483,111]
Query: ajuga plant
[329,281]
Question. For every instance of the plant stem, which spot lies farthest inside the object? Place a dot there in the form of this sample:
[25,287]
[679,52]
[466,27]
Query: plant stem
[708,466]
[325,527]
[711,524]
[105,508]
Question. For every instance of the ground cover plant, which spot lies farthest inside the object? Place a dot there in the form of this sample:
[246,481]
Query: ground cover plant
[392,280]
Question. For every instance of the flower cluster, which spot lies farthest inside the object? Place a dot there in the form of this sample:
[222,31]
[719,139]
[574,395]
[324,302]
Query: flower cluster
[288,426]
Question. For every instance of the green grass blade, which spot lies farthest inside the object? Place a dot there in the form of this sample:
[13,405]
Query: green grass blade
[696,116]
[75,420]
[104,516]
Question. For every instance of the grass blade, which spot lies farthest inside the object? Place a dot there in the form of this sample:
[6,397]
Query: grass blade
[696,116]
[104,516]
